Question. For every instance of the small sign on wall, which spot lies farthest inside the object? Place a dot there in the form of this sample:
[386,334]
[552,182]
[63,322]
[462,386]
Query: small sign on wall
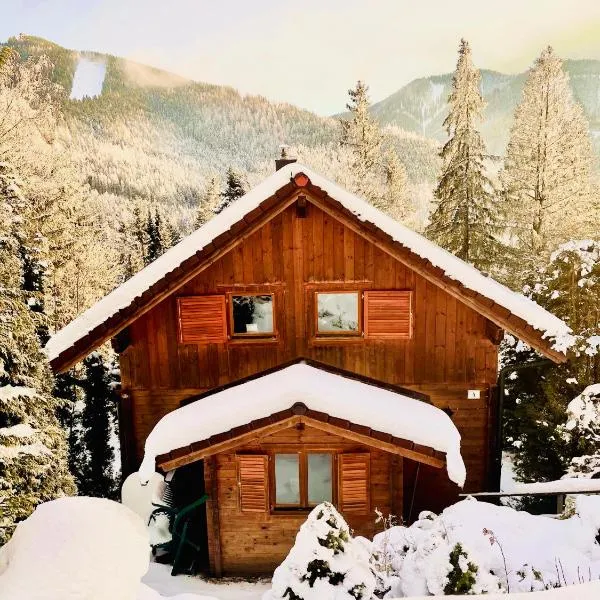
[474,394]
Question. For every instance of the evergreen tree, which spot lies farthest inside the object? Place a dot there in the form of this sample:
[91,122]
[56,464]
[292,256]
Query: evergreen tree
[234,189]
[33,453]
[97,421]
[208,203]
[154,236]
[466,219]
[537,398]
[362,136]
[546,175]
[395,200]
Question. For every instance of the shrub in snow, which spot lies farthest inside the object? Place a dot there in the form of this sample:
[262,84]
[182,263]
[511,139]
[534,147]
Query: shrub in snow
[476,547]
[326,562]
[76,548]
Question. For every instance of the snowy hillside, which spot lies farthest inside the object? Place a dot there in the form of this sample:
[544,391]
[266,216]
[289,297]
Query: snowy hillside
[420,106]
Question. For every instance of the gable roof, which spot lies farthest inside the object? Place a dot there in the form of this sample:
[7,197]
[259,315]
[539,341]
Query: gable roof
[519,315]
[330,400]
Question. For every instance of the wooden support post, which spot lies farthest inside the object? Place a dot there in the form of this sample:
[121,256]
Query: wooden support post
[213,524]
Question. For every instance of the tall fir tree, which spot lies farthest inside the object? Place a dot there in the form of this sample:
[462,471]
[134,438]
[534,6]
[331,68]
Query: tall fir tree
[98,418]
[546,174]
[209,202]
[235,188]
[33,449]
[362,136]
[467,218]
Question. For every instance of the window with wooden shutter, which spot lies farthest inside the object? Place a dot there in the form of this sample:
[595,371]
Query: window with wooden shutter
[354,483]
[253,482]
[388,314]
[202,319]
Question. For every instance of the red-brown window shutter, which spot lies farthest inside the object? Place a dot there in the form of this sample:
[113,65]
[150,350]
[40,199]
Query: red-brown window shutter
[354,483]
[202,319]
[388,314]
[253,482]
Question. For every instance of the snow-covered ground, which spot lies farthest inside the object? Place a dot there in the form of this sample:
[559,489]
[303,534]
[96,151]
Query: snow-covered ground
[88,79]
[159,579]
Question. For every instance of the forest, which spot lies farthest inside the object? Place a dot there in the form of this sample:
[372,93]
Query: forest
[93,190]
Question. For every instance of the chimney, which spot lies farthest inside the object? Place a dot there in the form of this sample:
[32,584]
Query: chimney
[283,159]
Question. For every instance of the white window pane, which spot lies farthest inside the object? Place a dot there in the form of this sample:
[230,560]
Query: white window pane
[252,314]
[337,312]
[319,478]
[287,479]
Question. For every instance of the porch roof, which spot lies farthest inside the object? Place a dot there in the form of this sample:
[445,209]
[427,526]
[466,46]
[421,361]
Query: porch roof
[377,416]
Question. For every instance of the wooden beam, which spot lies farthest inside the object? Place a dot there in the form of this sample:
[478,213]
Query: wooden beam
[374,443]
[68,358]
[213,520]
[168,464]
[434,274]
[225,446]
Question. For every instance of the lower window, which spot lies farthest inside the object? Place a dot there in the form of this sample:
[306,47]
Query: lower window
[302,479]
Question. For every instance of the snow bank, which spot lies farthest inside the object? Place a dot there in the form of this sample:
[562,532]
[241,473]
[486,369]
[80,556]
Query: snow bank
[75,549]
[338,396]
[540,551]
[560,486]
[545,322]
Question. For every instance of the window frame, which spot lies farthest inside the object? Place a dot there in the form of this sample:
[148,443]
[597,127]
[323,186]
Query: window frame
[303,505]
[259,335]
[359,333]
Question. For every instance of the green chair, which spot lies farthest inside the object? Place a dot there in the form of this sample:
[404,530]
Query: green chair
[179,522]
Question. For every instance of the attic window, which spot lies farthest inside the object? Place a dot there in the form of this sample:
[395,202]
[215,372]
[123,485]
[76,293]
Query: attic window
[338,313]
[252,315]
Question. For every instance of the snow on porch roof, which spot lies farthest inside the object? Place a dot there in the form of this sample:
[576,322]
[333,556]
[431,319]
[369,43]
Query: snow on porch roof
[319,390]
[123,296]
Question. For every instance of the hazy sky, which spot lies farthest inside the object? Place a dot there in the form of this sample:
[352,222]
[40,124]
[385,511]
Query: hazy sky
[309,52]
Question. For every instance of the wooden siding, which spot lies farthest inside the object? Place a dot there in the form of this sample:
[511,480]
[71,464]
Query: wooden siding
[242,543]
[448,353]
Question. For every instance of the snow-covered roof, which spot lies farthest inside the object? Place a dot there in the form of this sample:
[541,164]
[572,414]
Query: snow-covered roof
[374,407]
[546,323]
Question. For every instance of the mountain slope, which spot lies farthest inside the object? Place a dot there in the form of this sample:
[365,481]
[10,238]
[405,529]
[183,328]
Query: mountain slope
[157,136]
[420,106]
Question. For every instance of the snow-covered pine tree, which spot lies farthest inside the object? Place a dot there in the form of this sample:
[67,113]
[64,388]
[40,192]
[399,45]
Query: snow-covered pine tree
[395,201]
[154,236]
[235,187]
[537,399]
[325,562]
[362,136]
[466,219]
[209,202]
[33,450]
[546,175]
[98,418]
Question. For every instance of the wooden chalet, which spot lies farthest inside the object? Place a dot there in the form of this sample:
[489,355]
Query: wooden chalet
[302,346]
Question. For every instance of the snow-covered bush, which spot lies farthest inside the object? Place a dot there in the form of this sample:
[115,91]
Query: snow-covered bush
[77,548]
[475,547]
[325,563]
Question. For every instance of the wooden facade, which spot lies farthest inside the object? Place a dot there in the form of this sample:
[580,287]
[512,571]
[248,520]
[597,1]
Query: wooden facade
[418,329]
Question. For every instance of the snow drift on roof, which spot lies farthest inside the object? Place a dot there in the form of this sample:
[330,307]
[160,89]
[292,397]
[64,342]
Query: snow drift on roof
[374,407]
[549,325]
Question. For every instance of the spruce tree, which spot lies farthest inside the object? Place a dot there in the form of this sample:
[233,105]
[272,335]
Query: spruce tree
[33,450]
[466,219]
[154,235]
[537,398]
[97,422]
[209,202]
[362,136]
[395,200]
[546,175]
[234,189]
